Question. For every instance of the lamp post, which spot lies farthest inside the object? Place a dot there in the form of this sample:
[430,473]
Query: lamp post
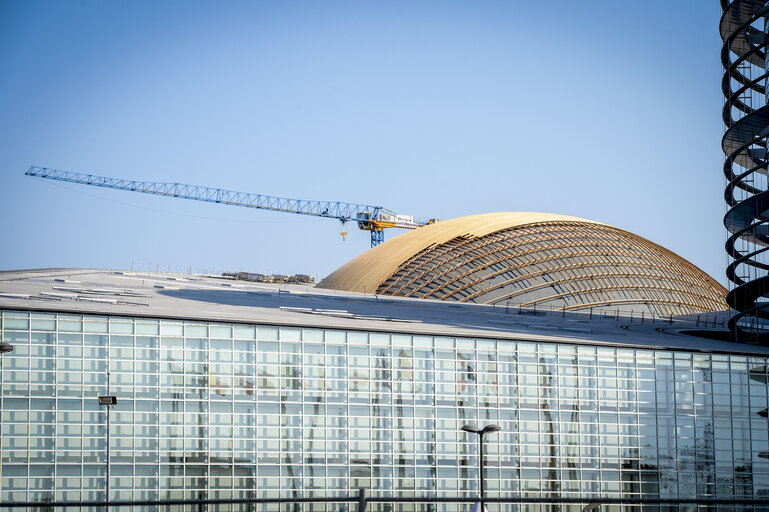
[488,429]
[109,401]
[5,347]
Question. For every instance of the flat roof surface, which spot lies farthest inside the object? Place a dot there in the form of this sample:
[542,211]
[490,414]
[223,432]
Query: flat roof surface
[212,298]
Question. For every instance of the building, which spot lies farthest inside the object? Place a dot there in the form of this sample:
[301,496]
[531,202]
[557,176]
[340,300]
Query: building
[533,260]
[745,113]
[236,389]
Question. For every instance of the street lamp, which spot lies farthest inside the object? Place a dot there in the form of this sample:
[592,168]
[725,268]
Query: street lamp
[488,429]
[5,347]
[109,401]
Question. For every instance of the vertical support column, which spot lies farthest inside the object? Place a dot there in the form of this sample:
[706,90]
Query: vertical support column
[377,237]
[108,401]
[362,502]
[766,59]
[480,464]
[108,429]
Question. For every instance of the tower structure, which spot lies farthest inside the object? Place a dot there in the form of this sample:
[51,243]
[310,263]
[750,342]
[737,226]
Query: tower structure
[745,113]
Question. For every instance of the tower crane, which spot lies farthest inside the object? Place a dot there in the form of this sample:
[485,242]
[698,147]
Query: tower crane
[374,219]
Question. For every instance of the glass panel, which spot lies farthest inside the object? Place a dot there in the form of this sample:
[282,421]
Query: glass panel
[302,409]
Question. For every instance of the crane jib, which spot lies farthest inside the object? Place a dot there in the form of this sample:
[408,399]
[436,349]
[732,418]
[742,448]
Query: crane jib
[369,217]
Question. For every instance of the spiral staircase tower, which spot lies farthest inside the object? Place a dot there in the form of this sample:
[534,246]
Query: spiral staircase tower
[745,113]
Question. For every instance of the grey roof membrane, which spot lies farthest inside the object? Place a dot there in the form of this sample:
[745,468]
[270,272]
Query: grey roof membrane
[211,298]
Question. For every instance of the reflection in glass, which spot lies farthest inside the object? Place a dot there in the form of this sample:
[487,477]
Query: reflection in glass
[217,408]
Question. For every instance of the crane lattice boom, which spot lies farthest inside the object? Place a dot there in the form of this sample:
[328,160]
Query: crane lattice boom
[369,218]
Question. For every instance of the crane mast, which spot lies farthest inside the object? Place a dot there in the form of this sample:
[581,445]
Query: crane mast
[368,217]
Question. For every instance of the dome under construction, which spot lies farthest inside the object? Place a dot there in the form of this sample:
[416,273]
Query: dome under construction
[533,260]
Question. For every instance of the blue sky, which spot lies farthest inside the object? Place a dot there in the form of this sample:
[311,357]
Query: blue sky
[604,110]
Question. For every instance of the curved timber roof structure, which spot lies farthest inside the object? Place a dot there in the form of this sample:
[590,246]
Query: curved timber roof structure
[532,260]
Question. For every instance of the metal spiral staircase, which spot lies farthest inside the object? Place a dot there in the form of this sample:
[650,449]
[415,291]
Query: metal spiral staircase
[743,28]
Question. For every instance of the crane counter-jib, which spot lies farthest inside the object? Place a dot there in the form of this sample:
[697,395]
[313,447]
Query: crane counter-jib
[369,217]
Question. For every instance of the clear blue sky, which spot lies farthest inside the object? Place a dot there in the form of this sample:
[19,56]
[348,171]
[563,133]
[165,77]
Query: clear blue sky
[605,110]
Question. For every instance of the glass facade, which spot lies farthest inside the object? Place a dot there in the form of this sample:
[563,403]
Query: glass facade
[215,410]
